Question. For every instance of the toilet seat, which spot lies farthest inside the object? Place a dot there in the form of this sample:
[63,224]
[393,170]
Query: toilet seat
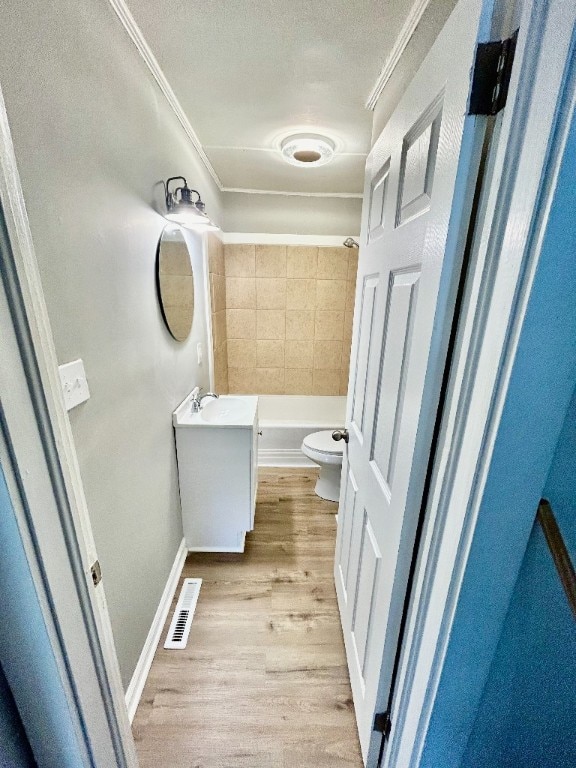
[321,446]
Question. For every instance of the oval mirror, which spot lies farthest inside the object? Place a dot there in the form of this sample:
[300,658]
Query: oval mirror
[175,282]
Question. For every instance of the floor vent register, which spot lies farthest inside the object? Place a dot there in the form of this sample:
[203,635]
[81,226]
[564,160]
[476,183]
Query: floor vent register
[182,620]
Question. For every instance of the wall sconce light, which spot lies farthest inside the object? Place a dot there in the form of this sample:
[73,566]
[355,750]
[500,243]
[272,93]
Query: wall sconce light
[183,210]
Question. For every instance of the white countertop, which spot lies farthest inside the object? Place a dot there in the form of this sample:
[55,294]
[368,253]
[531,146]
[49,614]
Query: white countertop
[227,411]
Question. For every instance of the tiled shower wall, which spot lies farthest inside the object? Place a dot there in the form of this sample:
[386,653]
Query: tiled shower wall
[218,301]
[289,316]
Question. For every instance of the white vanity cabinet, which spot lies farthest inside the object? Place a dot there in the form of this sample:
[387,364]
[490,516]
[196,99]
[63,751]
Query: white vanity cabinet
[217,451]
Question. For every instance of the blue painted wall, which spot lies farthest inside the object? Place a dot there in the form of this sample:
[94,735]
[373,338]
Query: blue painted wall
[528,711]
[14,748]
[27,659]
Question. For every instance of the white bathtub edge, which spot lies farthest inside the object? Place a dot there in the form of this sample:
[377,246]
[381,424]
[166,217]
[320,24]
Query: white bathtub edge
[283,457]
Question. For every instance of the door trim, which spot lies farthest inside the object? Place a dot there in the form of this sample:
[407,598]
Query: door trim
[494,310]
[43,476]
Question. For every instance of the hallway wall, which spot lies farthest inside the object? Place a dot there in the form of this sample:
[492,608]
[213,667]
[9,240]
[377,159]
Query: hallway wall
[526,716]
[94,137]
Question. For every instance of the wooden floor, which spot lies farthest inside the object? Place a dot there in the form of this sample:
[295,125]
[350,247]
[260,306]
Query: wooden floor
[263,682]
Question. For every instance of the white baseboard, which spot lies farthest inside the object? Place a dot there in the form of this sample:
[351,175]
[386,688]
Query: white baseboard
[283,457]
[136,686]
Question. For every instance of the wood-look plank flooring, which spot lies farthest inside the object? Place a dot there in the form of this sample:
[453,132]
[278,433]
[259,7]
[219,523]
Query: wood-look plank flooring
[263,682]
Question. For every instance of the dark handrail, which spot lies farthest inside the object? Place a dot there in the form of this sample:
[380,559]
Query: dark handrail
[558,550]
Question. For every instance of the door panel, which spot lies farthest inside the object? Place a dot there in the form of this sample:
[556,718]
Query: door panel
[369,564]
[397,337]
[345,541]
[419,151]
[406,287]
[378,198]
[367,306]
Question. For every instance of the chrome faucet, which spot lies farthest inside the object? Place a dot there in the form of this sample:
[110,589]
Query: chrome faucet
[196,399]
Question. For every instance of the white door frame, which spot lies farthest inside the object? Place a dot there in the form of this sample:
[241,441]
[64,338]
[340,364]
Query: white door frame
[39,461]
[528,140]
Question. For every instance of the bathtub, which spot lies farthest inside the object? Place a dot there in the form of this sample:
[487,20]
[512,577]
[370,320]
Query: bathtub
[286,419]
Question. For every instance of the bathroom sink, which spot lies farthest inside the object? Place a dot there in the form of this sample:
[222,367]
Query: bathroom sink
[225,410]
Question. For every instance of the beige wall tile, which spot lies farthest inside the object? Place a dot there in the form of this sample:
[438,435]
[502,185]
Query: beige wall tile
[301,293]
[299,324]
[241,323]
[240,293]
[269,353]
[218,292]
[270,381]
[271,292]
[350,295]
[239,260]
[352,264]
[345,363]
[221,369]
[219,330]
[242,381]
[333,263]
[327,355]
[215,254]
[326,385]
[299,354]
[241,353]
[301,261]
[283,330]
[329,326]
[270,324]
[343,383]
[331,294]
[270,261]
[348,321]
[298,381]
[221,380]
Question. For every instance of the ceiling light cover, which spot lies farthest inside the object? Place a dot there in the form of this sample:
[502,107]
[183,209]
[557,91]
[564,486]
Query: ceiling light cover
[307,150]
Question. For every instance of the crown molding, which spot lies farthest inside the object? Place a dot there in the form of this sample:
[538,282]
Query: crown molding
[135,33]
[404,36]
[243,191]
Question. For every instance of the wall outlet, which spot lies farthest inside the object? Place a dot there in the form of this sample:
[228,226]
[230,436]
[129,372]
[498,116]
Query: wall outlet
[74,383]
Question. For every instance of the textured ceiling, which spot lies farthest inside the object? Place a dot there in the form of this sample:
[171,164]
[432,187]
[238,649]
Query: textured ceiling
[247,73]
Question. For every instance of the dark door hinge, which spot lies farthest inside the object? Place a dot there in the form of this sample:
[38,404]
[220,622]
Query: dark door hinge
[491,77]
[382,723]
[96,572]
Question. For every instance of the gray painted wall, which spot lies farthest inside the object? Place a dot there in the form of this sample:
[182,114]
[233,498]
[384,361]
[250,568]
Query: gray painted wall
[93,137]
[291,214]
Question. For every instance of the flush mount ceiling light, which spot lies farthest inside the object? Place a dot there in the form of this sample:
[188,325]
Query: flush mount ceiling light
[307,150]
[183,210]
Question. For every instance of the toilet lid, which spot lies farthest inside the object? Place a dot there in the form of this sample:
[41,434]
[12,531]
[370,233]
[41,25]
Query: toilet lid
[323,442]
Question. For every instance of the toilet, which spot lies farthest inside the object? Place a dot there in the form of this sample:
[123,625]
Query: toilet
[327,453]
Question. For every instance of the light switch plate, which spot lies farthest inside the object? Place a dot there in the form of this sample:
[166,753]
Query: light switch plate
[74,383]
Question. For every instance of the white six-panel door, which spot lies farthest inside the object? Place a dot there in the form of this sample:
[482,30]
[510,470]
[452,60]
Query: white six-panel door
[419,181]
